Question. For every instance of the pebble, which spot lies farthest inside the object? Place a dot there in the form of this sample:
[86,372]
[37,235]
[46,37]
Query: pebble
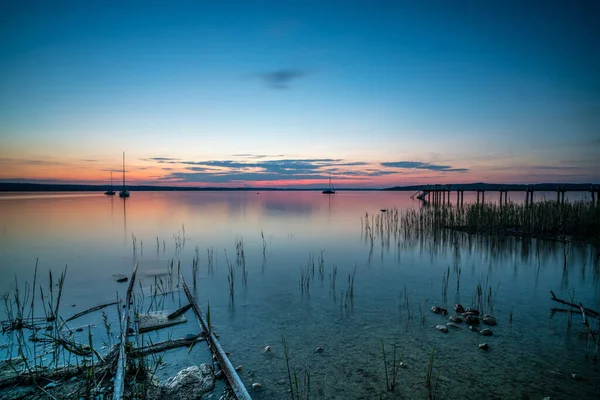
[453,325]
[319,349]
[239,368]
[486,332]
[456,319]
[256,386]
[489,320]
[442,328]
[473,328]
[267,349]
[484,346]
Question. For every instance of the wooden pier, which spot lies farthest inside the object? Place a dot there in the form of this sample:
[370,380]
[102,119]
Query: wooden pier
[439,195]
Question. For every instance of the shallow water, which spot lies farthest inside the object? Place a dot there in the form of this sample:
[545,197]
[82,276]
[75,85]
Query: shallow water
[396,283]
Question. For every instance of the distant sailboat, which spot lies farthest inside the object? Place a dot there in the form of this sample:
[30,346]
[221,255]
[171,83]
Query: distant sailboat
[124,192]
[330,190]
[110,192]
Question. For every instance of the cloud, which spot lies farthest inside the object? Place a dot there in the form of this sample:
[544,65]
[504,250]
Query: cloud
[30,162]
[161,159]
[257,155]
[421,165]
[281,79]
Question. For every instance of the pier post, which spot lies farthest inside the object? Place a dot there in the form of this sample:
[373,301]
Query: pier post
[482,197]
[505,196]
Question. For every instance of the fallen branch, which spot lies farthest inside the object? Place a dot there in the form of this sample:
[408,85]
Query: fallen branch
[122,363]
[163,346]
[89,310]
[177,313]
[234,380]
[593,313]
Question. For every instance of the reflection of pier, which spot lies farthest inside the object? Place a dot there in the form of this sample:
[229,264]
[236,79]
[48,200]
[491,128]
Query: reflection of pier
[440,194]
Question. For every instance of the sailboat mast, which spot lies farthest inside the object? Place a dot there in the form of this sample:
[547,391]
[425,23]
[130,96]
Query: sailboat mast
[123,170]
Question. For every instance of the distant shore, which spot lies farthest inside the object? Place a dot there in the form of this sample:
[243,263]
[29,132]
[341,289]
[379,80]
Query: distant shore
[42,187]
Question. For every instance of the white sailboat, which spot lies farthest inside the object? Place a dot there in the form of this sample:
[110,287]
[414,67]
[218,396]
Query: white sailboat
[329,190]
[124,192]
[110,192]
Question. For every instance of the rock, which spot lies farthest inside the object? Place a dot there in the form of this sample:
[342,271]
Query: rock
[402,365]
[319,349]
[486,332]
[120,278]
[474,328]
[50,385]
[577,377]
[456,319]
[267,349]
[453,325]
[191,383]
[489,320]
[484,346]
[256,386]
[442,328]
[472,320]
[473,311]
[239,368]
[220,374]
[439,310]
[459,308]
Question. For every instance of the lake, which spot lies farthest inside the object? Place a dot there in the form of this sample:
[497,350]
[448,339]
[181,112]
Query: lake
[533,351]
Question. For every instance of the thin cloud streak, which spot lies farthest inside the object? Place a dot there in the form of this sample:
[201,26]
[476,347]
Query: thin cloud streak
[421,165]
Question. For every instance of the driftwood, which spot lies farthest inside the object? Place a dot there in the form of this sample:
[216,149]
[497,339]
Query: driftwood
[163,346]
[122,363]
[61,373]
[155,320]
[177,313]
[89,310]
[234,380]
[579,306]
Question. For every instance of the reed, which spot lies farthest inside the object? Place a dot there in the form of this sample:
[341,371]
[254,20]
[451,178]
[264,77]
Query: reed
[431,391]
[445,279]
[210,255]
[264,244]
[332,278]
[390,378]
[351,281]
[305,278]
[230,277]
[286,355]
[321,266]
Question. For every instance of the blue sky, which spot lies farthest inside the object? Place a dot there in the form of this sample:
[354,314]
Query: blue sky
[389,92]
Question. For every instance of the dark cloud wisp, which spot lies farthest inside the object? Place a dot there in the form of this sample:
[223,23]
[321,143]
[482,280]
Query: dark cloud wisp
[421,165]
[282,78]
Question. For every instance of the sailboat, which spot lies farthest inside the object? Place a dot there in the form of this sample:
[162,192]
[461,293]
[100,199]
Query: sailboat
[330,190]
[124,192]
[110,192]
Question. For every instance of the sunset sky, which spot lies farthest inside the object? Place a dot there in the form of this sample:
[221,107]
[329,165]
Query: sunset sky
[282,93]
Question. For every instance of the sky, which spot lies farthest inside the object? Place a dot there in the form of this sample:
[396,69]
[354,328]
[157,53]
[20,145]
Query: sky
[285,94]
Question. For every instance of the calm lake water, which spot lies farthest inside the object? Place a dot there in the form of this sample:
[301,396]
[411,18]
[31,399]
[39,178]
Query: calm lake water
[397,281]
